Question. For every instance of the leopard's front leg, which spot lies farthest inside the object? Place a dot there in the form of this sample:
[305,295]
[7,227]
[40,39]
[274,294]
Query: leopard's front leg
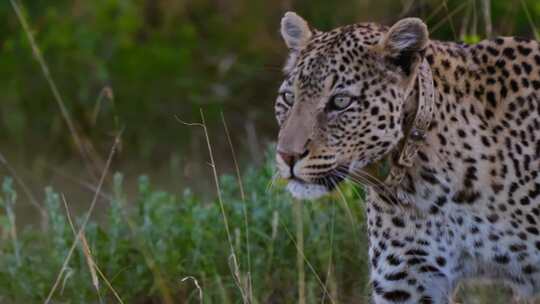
[412,259]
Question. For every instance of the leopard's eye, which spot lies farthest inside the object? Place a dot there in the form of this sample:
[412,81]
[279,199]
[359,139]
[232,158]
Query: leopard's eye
[288,97]
[340,102]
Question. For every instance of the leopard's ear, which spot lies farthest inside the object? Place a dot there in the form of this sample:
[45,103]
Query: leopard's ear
[404,43]
[295,31]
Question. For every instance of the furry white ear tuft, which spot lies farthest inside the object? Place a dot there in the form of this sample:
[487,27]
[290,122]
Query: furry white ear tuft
[295,31]
[409,34]
[403,43]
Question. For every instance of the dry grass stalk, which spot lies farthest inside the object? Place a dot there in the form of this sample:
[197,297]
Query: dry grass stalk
[434,12]
[486,9]
[530,19]
[300,251]
[86,219]
[87,157]
[233,261]
[330,278]
[92,265]
[25,189]
[199,289]
[86,249]
[465,22]
[299,219]
[79,181]
[448,17]
[9,205]
[106,93]
[248,280]
[445,3]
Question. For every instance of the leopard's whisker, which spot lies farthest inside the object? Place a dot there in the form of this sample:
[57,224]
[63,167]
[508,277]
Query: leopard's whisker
[380,185]
[349,212]
[382,189]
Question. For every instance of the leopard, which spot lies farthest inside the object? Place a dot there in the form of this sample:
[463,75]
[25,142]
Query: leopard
[467,205]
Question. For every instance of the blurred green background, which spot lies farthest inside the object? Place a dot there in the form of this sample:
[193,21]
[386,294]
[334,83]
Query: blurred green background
[140,66]
[136,64]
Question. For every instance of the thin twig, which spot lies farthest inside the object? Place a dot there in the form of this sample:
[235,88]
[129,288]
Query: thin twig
[298,207]
[189,124]
[445,3]
[86,251]
[434,12]
[244,206]
[406,8]
[196,285]
[216,180]
[222,206]
[86,219]
[321,283]
[106,92]
[465,23]
[236,272]
[90,261]
[531,22]
[329,272]
[56,93]
[448,17]
[23,186]
[79,181]
[486,8]
[474,31]
[108,283]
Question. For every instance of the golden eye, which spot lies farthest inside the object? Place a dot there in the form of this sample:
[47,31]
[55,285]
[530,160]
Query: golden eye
[340,102]
[288,97]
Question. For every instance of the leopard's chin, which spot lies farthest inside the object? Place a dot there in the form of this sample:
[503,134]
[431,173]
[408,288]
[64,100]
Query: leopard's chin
[308,191]
[315,189]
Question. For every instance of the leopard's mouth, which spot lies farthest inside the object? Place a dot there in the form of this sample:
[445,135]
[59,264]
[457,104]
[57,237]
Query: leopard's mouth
[330,180]
[317,187]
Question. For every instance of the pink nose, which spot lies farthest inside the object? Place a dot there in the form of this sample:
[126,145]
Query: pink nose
[291,158]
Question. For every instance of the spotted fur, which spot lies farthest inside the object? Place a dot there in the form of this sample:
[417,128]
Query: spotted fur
[475,183]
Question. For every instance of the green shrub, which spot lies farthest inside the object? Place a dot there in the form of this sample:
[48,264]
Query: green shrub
[147,246]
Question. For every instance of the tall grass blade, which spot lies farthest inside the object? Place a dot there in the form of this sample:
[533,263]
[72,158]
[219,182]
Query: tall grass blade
[298,207]
[56,93]
[244,209]
[530,20]
[86,219]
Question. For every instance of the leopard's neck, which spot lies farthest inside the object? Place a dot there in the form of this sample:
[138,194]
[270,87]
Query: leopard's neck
[462,159]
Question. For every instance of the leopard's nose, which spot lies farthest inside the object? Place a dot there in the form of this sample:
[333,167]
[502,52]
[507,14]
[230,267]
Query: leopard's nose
[291,158]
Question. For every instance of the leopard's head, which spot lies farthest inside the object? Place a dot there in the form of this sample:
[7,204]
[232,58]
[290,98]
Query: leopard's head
[342,103]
